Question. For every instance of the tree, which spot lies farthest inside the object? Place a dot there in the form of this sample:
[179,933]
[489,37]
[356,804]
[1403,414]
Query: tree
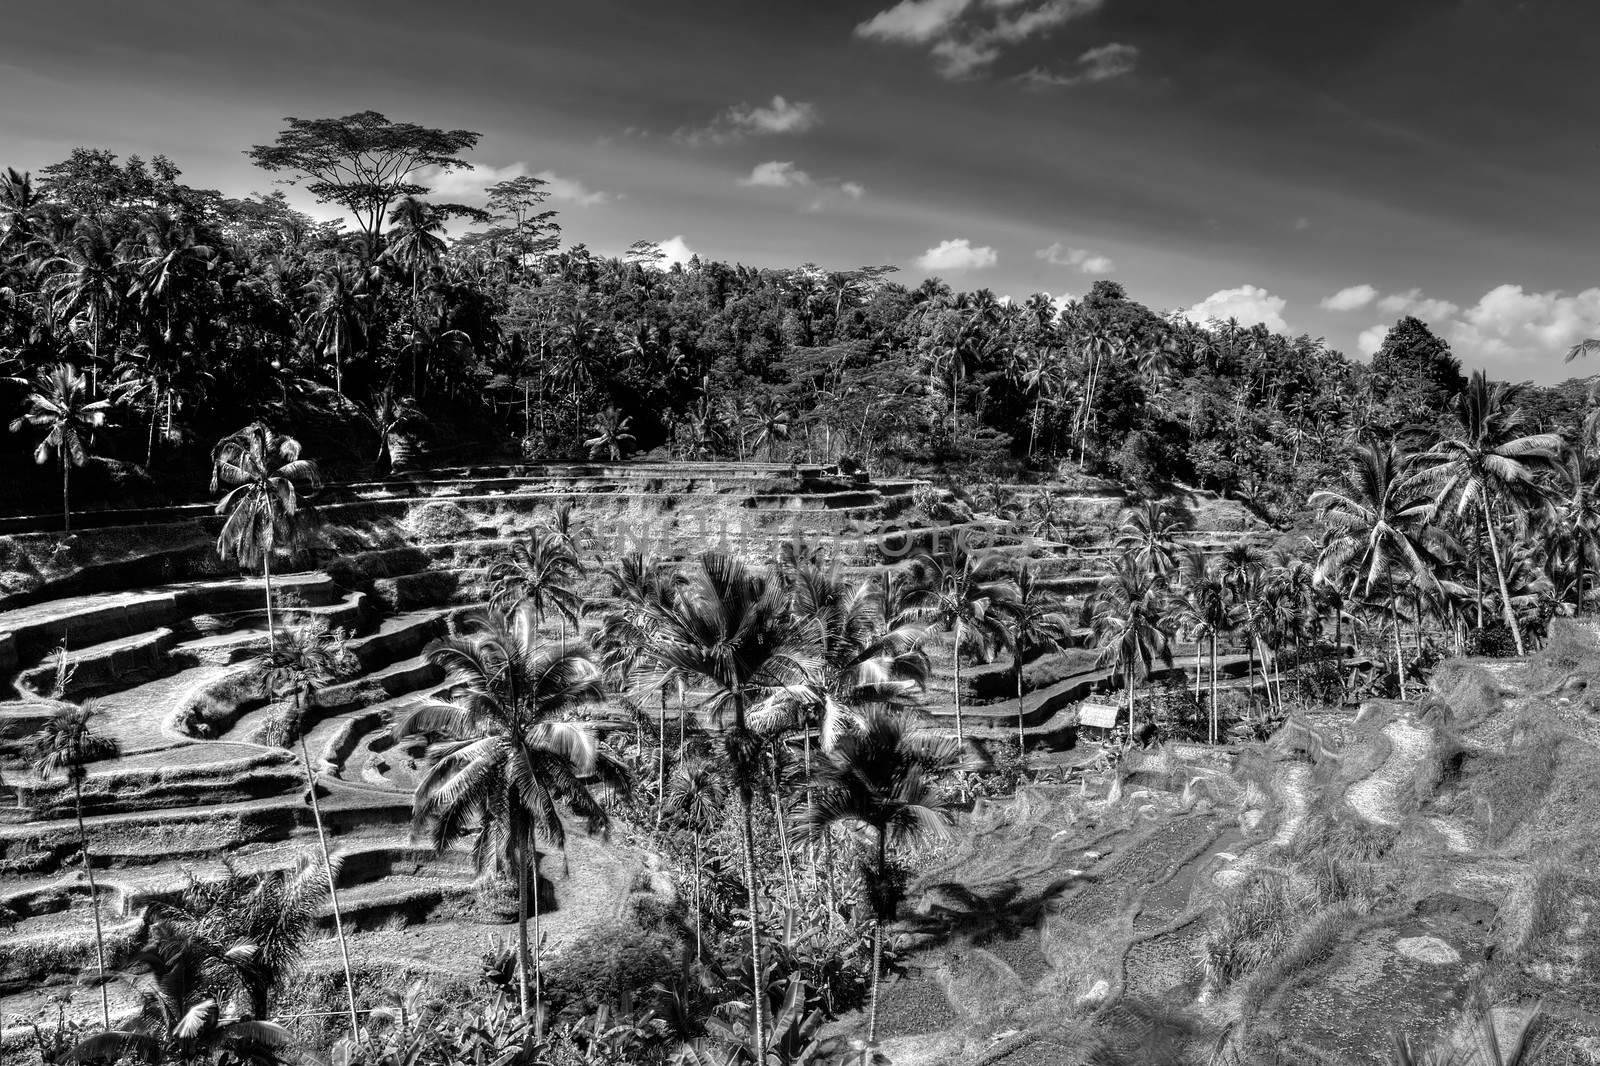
[68,744]
[543,571]
[1482,459]
[265,509]
[362,162]
[88,280]
[60,403]
[1203,611]
[1131,626]
[884,779]
[962,591]
[766,423]
[502,763]
[1413,373]
[612,435]
[696,799]
[1037,628]
[1149,536]
[730,626]
[1381,524]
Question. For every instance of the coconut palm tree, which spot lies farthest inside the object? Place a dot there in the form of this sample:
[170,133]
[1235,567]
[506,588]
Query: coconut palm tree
[1037,628]
[1484,459]
[696,799]
[306,659]
[963,592]
[730,627]
[265,508]
[544,572]
[1575,519]
[613,435]
[1131,626]
[1381,523]
[884,780]
[66,745]
[766,423]
[502,763]
[1202,611]
[86,281]
[414,239]
[61,404]
[1149,535]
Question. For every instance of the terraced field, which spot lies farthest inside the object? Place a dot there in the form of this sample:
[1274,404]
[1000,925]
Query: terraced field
[135,611]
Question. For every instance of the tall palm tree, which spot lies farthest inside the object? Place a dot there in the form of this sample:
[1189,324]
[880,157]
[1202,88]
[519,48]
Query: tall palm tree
[1037,628]
[696,799]
[1575,518]
[1203,612]
[60,403]
[1149,535]
[503,763]
[766,423]
[414,239]
[1381,523]
[1484,459]
[87,281]
[1131,626]
[265,508]
[67,744]
[963,592]
[884,780]
[544,572]
[308,658]
[730,627]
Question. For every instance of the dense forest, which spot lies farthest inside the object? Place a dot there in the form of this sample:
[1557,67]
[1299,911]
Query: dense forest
[187,313]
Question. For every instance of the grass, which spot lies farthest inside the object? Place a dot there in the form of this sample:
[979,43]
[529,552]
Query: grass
[1508,788]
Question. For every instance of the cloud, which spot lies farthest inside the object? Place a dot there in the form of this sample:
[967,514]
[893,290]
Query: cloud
[777,118]
[853,189]
[1097,64]
[1371,339]
[1508,322]
[1352,298]
[1085,260]
[472,184]
[965,37]
[1250,304]
[675,250]
[958,254]
[776,175]
[1413,302]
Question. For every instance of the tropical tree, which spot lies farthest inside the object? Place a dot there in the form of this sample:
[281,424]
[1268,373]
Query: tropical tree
[613,435]
[87,280]
[1037,627]
[60,404]
[730,627]
[1149,535]
[696,799]
[963,592]
[1202,611]
[67,744]
[1484,459]
[884,780]
[543,571]
[766,422]
[265,508]
[503,763]
[1131,626]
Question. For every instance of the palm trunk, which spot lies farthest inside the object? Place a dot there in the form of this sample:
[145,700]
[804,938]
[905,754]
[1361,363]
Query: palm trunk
[697,903]
[747,842]
[522,939]
[1213,686]
[1500,575]
[1399,658]
[538,953]
[1130,683]
[333,892]
[1022,740]
[66,509]
[94,902]
[783,836]
[266,573]
[961,736]
[661,761]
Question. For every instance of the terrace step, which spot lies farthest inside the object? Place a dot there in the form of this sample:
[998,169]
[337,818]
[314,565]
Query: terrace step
[109,665]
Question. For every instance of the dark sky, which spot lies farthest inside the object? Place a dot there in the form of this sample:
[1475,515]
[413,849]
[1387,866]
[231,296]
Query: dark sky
[1322,166]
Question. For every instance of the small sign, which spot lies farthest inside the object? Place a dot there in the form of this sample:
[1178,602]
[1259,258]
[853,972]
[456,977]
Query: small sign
[1098,715]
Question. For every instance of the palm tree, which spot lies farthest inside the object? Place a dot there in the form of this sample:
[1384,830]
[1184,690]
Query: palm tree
[884,779]
[67,744]
[503,763]
[413,239]
[1203,612]
[60,402]
[1037,628]
[264,508]
[544,572]
[613,437]
[963,592]
[730,626]
[306,659]
[1149,536]
[1381,526]
[1131,626]
[390,412]
[1576,519]
[766,423]
[1482,459]
[86,281]
[696,798]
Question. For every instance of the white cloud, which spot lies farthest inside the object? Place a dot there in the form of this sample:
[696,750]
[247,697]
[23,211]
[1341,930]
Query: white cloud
[966,37]
[958,254]
[1085,260]
[1352,298]
[472,184]
[1413,302]
[1097,64]
[778,117]
[675,250]
[777,174]
[1250,304]
[1371,339]
[1510,323]
[853,189]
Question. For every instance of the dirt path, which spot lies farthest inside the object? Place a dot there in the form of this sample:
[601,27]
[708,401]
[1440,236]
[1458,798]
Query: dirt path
[1377,798]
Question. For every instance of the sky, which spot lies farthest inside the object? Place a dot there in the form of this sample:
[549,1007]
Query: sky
[1323,166]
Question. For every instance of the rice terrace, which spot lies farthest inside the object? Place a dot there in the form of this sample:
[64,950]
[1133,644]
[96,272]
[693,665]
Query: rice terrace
[442,627]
